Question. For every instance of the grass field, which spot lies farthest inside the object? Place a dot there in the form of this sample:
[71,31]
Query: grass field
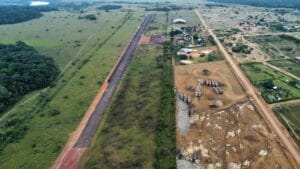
[289,116]
[127,138]
[138,130]
[76,87]
[60,34]
[259,74]
[188,15]
[288,65]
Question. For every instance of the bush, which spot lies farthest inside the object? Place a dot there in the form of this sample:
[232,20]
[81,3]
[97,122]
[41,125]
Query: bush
[91,17]
[53,112]
[241,48]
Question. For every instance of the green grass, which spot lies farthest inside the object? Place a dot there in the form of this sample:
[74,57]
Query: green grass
[288,65]
[260,74]
[138,130]
[166,127]
[127,136]
[291,119]
[60,34]
[34,43]
[75,89]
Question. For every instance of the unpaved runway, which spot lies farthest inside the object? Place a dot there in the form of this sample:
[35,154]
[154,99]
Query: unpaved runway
[285,139]
[81,139]
[90,129]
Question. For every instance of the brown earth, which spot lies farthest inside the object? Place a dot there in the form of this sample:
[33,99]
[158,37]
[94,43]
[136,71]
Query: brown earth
[145,40]
[233,135]
[218,71]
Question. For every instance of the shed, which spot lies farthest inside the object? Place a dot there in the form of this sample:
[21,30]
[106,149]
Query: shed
[179,21]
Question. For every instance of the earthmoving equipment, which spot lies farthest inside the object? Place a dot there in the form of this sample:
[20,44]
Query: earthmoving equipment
[198,91]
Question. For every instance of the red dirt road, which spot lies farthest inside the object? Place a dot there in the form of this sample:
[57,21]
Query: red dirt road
[70,156]
[289,145]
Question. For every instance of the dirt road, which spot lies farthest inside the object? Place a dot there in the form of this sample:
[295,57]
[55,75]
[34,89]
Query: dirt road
[291,148]
[81,139]
[289,102]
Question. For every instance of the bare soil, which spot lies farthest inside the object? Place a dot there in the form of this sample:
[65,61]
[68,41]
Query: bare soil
[231,136]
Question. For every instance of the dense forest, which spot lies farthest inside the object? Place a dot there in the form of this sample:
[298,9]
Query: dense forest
[23,69]
[264,3]
[16,14]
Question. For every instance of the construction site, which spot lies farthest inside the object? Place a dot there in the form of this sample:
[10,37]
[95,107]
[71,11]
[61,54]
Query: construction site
[217,123]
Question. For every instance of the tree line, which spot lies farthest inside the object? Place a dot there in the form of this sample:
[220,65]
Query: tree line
[17,14]
[22,70]
[264,3]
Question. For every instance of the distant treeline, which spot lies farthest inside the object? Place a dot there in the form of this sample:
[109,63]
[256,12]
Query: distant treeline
[264,3]
[22,70]
[164,8]
[110,7]
[16,14]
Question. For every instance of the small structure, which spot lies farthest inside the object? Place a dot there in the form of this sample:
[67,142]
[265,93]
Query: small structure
[191,111]
[205,72]
[186,62]
[218,90]
[198,91]
[216,104]
[247,26]
[179,21]
[185,51]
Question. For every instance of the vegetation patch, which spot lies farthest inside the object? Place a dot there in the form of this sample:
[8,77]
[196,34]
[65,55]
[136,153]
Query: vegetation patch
[289,65]
[23,70]
[241,48]
[166,126]
[289,116]
[90,17]
[264,3]
[16,14]
[127,138]
[278,46]
[273,85]
[109,7]
[71,95]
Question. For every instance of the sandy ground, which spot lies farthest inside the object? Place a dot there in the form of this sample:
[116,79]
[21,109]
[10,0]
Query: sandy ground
[231,136]
[218,71]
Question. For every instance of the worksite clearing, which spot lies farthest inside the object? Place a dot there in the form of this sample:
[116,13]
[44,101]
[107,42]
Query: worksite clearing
[220,129]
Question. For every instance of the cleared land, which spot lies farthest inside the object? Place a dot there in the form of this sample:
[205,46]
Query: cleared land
[273,85]
[74,90]
[233,135]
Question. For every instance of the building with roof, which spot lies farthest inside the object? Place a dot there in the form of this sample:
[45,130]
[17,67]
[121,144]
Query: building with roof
[185,51]
[179,21]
